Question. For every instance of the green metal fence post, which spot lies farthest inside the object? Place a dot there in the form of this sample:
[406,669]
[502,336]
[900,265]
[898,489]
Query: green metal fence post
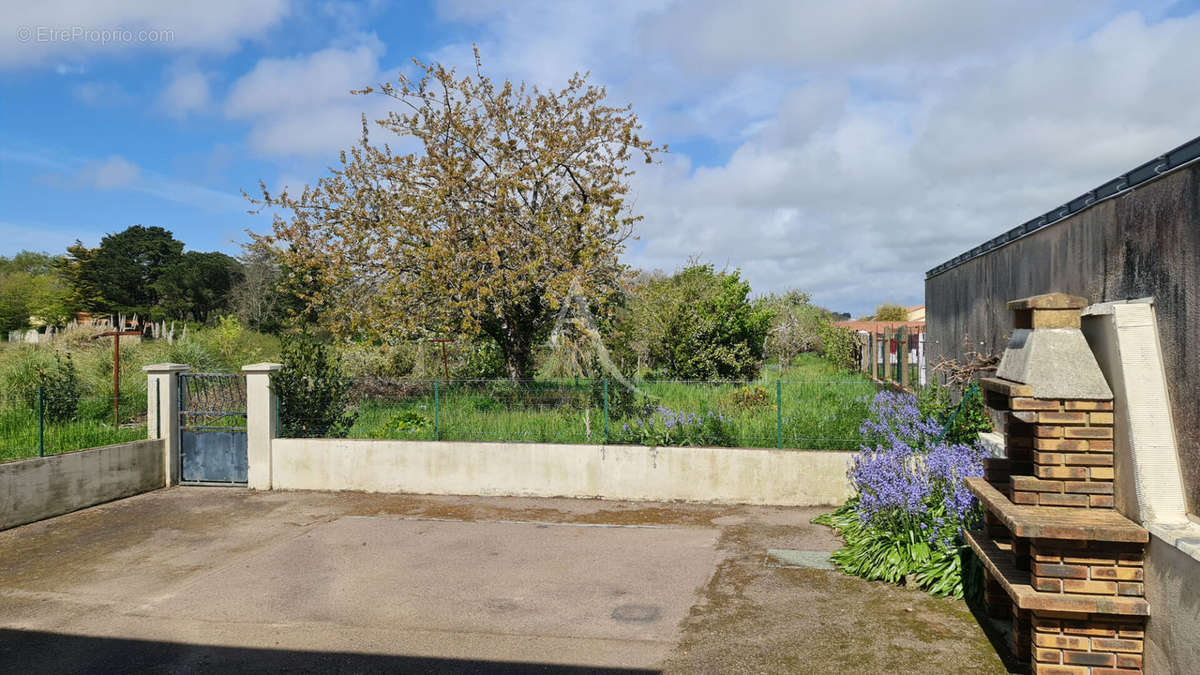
[606,411]
[437,433]
[779,414]
[41,421]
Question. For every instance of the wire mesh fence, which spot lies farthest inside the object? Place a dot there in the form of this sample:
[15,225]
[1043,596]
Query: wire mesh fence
[822,414]
[53,421]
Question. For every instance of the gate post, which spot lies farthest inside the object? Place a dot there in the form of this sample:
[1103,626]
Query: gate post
[260,423]
[162,413]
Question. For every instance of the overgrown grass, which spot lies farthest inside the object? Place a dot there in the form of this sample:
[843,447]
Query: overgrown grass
[206,349]
[91,426]
[819,408]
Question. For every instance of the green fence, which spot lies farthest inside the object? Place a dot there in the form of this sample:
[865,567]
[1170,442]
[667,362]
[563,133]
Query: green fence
[770,414]
[53,421]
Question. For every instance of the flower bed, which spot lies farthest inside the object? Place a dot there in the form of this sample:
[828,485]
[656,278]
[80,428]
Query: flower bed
[911,503]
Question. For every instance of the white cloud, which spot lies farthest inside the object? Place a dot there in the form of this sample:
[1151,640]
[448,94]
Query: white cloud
[33,32]
[111,173]
[100,93]
[302,106]
[187,92]
[868,144]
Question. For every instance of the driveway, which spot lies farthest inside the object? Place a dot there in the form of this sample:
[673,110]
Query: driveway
[200,579]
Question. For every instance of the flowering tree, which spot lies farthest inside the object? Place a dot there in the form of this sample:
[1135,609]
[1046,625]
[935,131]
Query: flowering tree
[514,203]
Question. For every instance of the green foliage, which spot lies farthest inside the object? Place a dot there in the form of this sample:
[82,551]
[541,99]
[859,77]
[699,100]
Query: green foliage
[795,325]
[967,419]
[30,291]
[887,555]
[144,271]
[623,401]
[700,325]
[888,312]
[197,285]
[482,360]
[60,389]
[403,425]
[838,346]
[314,398]
[749,397]
[661,427]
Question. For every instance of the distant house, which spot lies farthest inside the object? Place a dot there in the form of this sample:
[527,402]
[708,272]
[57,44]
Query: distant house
[870,326]
[916,313]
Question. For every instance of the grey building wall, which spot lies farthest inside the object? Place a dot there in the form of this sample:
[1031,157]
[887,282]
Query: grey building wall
[1142,243]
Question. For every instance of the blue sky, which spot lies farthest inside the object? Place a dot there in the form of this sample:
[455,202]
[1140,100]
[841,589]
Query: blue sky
[841,148]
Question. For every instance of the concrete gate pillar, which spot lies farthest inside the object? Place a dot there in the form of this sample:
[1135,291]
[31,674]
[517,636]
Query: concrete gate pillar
[162,413]
[260,423]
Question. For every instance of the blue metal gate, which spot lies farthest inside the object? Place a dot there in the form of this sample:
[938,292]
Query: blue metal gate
[212,425]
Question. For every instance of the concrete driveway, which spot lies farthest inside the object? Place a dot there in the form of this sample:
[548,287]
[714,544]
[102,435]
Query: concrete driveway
[202,579]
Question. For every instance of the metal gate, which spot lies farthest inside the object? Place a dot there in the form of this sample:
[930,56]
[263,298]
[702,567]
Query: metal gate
[212,425]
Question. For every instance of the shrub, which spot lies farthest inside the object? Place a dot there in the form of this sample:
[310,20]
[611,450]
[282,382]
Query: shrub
[60,385]
[403,424]
[482,360]
[314,398]
[911,500]
[749,398]
[838,346]
[966,420]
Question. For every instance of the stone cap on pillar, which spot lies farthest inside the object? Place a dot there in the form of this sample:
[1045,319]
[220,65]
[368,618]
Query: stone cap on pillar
[1048,353]
[264,367]
[1049,310]
[161,368]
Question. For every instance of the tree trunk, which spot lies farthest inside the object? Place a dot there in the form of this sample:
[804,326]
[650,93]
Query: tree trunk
[518,358]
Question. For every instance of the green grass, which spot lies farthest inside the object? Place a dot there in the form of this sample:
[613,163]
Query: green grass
[91,426]
[820,408]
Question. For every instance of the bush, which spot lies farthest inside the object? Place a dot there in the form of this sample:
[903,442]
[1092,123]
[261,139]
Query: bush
[967,419]
[911,500]
[403,424]
[838,346]
[482,360]
[314,398]
[61,390]
[749,398]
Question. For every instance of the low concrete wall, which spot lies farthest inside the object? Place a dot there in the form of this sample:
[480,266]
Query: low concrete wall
[33,489]
[1173,634]
[721,475]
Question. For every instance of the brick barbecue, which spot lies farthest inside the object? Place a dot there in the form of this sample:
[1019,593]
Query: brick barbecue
[1060,562]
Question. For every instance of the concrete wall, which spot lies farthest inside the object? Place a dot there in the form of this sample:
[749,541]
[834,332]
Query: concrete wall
[1144,243]
[1173,634]
[723,475]
[33,489]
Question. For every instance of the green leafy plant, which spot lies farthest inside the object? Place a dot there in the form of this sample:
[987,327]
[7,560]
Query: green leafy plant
[60,387]
[749,397]
[662,427]
[838,345]
[895,556]
[403,424]
[314,398]
[966,420]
